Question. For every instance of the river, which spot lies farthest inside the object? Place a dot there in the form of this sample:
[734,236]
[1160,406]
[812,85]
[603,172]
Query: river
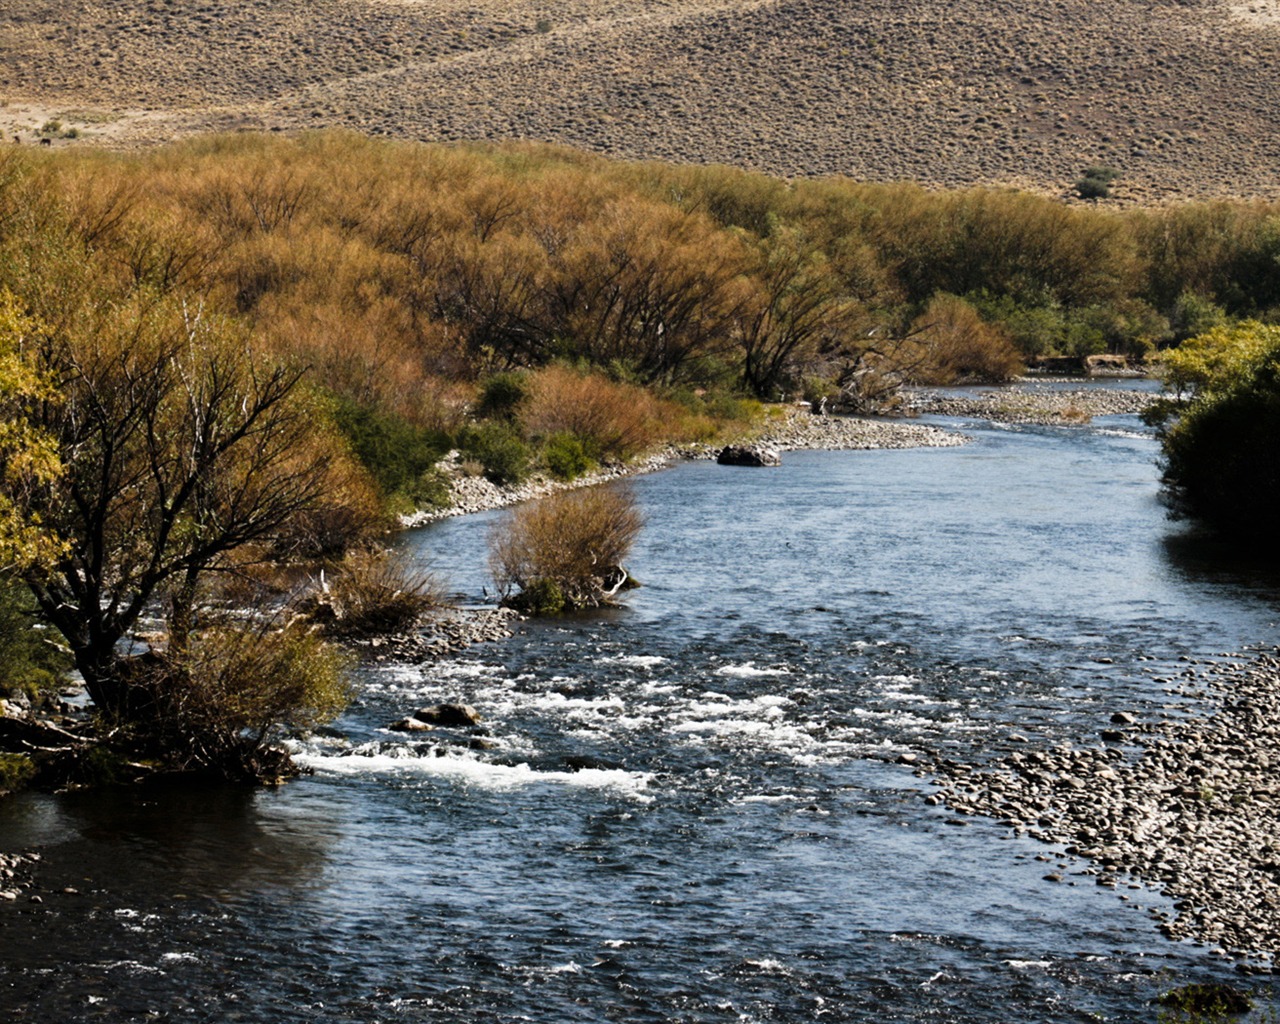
[693,808]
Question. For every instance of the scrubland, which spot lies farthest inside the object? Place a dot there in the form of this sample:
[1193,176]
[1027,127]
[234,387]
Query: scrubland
[1180,95]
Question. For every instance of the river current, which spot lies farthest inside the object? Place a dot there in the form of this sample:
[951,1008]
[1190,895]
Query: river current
[693,807]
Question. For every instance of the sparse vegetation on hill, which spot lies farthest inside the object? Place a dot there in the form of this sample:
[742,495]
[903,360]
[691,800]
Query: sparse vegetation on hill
[1181,96]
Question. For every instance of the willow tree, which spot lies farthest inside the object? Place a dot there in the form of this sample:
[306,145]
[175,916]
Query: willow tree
[181,455]
[28,455]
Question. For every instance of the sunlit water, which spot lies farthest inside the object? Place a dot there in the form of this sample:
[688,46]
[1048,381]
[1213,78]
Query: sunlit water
[693,809]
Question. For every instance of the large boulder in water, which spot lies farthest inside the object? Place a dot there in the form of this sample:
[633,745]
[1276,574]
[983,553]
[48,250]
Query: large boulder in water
[748,455]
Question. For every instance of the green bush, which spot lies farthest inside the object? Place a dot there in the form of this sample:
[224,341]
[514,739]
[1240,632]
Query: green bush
[1096,181]
[1195,314]
[501,395]
[1035,330]
[565,456]
[16,770]
[500,449]
[540,597]
[399,455]
[31,661]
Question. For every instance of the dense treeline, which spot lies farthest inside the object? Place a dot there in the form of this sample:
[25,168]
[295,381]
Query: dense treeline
[404,274]
[470,297]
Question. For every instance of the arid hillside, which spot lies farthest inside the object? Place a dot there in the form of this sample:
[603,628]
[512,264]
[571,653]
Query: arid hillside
[1183,96]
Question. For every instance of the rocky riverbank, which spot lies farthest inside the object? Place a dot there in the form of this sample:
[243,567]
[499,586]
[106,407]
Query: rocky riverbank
[15,875]
[1032,403]
[445,631]
[795,428]
[1189,806]
[786,428]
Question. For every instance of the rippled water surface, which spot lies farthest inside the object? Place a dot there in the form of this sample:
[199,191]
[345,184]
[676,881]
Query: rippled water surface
[693,808]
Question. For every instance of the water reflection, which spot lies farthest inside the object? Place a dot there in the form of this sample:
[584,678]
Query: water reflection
[1201,558]
[212,841]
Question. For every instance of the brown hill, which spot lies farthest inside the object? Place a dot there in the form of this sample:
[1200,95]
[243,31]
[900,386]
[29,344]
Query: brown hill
[1183,97]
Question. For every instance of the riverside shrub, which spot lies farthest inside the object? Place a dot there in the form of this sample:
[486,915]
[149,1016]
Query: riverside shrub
[611,421]
[375,592]
[219,705]
[565,455]
[398,454]
[561,552]
[500,450]
[1222,450]
[958,345]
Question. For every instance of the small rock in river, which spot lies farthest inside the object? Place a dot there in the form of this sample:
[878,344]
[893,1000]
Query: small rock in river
[449,715]
[410,725]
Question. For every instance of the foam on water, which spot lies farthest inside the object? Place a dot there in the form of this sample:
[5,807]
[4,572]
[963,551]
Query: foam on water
[749,670]
[634,660]
[474,772]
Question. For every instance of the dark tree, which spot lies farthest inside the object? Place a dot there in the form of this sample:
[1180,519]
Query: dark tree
[182,455]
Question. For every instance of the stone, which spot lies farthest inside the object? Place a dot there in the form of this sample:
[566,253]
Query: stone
[748,455]
[410,725]
[456,716]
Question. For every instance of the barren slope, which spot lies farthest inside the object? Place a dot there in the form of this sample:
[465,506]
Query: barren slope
[1183,96]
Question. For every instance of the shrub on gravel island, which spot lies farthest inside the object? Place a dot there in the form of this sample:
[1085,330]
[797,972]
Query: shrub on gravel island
[373,592]
[565,552]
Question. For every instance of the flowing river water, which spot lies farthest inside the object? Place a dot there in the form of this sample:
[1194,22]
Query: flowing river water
[693,808]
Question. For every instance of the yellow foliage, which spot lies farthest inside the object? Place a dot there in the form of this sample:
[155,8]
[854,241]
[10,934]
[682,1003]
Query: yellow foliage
[28,455]
[1220,356]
